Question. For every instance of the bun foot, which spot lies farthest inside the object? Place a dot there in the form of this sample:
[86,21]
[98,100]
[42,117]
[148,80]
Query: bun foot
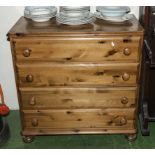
[28,139]
[131,137]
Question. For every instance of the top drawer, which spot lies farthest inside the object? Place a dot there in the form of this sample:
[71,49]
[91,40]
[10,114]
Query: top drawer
[78,49]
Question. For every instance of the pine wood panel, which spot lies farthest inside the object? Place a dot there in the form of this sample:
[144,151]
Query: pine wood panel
[73,98]
[51,131]
[78,49]
[25,27]
[80,118]
[76,76]
[48,74]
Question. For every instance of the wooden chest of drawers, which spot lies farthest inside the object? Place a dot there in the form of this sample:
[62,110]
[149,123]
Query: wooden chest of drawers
[77,79]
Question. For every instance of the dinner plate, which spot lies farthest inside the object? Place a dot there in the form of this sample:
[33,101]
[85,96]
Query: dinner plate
[113,8]
[40,11]
[124,18]
[42,18]
[31,8]
[113,11]
[75,21]
[74,14]
[77,8]
[40,14]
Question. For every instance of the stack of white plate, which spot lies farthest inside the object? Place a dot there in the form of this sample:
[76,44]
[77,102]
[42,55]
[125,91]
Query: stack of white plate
[113,13]
[75,15]
[40,13]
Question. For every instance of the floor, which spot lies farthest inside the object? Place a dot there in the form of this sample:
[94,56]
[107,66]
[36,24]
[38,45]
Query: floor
[75,141]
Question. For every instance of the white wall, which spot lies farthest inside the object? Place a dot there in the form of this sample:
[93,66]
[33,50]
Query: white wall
[8,17]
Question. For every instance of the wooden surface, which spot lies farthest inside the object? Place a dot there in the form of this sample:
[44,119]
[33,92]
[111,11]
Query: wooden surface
[50,131]
[77,98]
[93,49]
[48,74]
[80,118]
[77,79]
[25,27]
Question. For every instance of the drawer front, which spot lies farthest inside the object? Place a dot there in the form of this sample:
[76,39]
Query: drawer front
[47,75]
[79,118]
[61,98]
[78,49]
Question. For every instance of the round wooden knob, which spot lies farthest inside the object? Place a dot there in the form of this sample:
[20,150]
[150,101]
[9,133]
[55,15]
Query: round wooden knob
[33,101]
[113,44]
[120,121]
[34,122]
[125,76]
[123,121]
[29,78]
[124,100]
[127,51]
[27,52]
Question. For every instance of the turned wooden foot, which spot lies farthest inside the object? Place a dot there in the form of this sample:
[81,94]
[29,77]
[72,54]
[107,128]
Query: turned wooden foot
[131,137]
[28,139]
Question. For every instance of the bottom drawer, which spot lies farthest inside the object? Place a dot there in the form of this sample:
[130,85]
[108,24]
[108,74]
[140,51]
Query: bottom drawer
[78,119]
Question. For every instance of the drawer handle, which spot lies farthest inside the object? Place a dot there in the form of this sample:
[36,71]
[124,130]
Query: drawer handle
[113,45]
[125,76]
[124,100]
[119,121]
[33,101]
[123,121]
[127,51]
[34,122]
[27,52]
[29,78]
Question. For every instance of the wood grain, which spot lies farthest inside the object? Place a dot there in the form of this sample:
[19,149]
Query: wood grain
[72,98]
[50,74]
[78,49]
[77,79]
[25,27]
[80,118]
[51,131]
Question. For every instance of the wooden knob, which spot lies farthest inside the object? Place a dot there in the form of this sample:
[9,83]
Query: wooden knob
[124,100]
[33,101]
[125,76]
[120,121]
[27,52]
[29,78]
[123,121]
[113,44]
[34,122]
[127,51]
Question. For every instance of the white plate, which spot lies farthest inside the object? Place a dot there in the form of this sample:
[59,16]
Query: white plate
[41,19]
[40,14]
[36,11]
[75,21]
[60,16]
[113,11]
[74,14]
[125,18]
[77,8]
[31,8]
[113,8]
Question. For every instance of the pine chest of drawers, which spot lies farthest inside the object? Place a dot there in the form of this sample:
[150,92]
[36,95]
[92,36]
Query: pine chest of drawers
[77,79]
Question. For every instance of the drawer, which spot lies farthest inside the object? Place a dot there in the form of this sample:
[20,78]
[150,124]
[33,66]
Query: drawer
[61,98]
[50,74]
[123,48]
[77,119]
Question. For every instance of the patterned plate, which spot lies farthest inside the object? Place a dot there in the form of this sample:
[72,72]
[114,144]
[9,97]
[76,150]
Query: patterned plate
[122,19]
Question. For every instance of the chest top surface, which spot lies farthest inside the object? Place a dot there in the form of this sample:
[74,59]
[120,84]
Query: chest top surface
[25,27]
